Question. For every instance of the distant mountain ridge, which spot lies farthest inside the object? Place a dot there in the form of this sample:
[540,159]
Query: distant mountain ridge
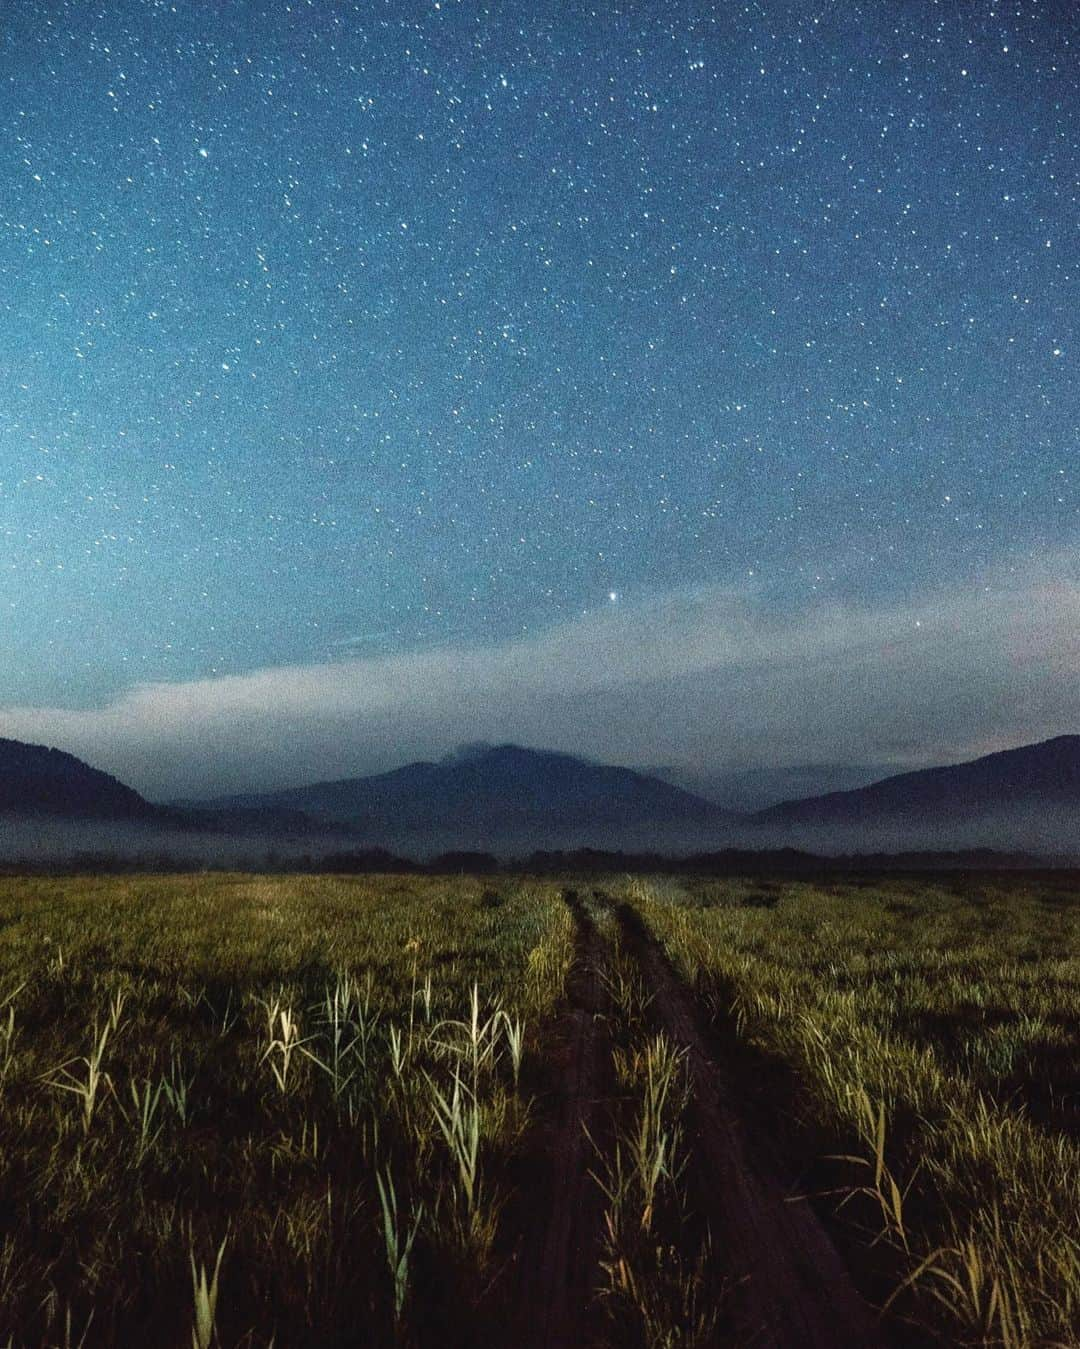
[514,801]
[37,780]
[495,788]
[1040,776]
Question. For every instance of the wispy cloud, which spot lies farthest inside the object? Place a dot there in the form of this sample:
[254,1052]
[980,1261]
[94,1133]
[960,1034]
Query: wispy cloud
[705,679]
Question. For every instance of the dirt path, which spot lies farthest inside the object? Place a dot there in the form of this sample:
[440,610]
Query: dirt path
[559,1271]
[793,1290]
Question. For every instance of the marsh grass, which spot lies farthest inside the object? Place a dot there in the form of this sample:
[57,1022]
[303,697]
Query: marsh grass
[327,1070]
[205,1293]
[399,1237]
[297,1111]
[660,1280]
[83,1077]
[929,1030]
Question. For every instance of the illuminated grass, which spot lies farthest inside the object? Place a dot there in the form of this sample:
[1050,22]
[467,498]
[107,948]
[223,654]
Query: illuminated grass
[344,1080]
[931,1030]
[329,1071]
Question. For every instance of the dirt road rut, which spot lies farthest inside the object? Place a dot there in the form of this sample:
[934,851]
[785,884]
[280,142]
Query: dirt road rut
[560,1272]
[793,1290]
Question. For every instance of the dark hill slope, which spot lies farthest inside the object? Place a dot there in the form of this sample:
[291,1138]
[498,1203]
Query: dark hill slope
[35,780]
[1038,777]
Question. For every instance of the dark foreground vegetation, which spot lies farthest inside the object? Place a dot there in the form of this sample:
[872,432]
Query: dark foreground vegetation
[244,1110]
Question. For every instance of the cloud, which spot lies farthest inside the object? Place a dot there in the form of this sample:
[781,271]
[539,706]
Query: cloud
[707,679]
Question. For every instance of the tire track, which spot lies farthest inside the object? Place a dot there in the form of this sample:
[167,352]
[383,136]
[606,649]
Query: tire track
[793,1290]
[559,1270]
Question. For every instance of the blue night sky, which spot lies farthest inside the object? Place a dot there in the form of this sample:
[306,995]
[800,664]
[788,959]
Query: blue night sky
[339,330]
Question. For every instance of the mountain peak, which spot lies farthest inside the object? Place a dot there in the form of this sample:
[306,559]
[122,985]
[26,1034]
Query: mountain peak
[484,793]
[486,751]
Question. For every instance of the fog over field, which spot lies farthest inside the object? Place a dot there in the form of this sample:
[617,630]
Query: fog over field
[40,841]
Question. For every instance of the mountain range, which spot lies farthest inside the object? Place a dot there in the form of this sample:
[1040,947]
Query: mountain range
[520,797]
[512,800]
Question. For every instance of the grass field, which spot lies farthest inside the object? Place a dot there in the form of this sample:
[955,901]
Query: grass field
[248,1110]
[931,1032]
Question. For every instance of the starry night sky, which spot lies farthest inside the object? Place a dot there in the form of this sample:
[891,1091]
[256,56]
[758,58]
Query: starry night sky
[338,329]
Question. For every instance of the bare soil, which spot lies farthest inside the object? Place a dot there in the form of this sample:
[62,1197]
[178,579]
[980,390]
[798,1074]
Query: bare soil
[559,1262]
